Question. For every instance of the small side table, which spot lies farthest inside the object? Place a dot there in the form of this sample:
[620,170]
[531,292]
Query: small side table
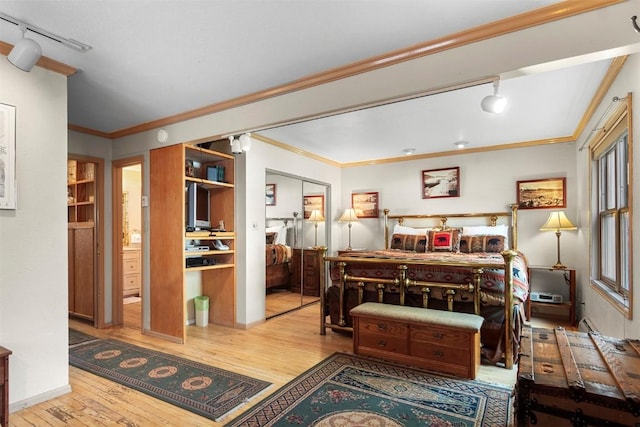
[4,386]
[564,311]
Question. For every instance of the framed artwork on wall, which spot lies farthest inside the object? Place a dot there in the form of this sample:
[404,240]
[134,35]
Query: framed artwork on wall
[542,193]
[7,156]
[365,204]
[312,203]
[443,182]
[270,195]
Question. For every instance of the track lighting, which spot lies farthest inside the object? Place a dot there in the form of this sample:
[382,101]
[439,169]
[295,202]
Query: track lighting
[461,144]
[495,103]
[240,144]
[25,53]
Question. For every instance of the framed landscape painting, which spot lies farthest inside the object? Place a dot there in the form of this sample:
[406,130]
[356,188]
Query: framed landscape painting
[365,204]
[542,193]
[270,195]
[440,183]
[7,156]
[312,203]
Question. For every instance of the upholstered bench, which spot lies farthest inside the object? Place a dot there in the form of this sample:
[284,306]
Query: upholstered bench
[441,341]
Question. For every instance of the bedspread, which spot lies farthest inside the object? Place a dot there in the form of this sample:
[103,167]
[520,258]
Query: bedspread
[277,254]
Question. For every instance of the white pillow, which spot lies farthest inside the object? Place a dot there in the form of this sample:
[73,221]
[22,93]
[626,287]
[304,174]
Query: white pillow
[498,230]
[281,234]
[401,229]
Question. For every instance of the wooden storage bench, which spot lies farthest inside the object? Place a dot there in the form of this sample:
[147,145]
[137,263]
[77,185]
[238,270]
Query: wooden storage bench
[577,379]
[441,341]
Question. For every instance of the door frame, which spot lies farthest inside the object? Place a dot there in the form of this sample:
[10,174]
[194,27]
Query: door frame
[116,238]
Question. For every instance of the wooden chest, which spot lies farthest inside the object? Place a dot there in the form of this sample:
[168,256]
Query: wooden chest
[440,341]
[577,379]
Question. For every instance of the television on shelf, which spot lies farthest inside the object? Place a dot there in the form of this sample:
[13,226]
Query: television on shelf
[197,207]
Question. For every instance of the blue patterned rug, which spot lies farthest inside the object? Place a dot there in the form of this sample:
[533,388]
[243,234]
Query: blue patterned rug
[205,390]
[349,390]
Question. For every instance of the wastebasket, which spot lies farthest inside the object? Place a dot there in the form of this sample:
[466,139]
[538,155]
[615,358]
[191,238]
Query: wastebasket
[202,310]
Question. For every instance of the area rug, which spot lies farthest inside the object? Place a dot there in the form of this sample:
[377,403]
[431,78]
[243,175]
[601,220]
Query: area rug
[349,390]
[76,337]
[202,389]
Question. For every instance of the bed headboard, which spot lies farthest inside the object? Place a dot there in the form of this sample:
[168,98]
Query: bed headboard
[440,221]
[289,223]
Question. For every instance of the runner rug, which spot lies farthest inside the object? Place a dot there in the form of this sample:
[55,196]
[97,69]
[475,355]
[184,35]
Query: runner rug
[349,390]
[205,390]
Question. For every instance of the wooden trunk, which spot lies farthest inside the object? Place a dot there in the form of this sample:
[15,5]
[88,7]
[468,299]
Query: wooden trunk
[577,379]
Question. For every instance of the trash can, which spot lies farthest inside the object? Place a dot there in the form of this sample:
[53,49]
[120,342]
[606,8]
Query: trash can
[202,310]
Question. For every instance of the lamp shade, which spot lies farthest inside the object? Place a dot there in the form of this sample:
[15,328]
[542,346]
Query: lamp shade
[25,54]
[316,216]
[349,215]
[558,221]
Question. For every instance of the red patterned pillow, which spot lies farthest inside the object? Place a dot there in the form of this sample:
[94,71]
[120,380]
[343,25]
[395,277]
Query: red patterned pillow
[445,240]
[409,242]
[482,243]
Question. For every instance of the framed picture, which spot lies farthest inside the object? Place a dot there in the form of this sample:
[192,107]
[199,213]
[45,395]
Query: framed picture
[312,203]
[365,204]
[542,193]
[7,156]
[440,183]
[270,195]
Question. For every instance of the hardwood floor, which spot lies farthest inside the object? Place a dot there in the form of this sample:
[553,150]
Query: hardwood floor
[278,302]
[276,351]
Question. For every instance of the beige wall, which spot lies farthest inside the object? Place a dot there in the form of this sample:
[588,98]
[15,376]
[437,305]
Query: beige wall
[33,248]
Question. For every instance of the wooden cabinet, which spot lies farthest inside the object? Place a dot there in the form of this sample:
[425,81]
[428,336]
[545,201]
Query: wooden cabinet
[4,386]
[82,256]
[176,253]
[564,311]
[305,271]
[131,272]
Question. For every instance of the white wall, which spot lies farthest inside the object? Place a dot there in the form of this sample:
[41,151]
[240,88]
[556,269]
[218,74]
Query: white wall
[33,247]
[607,319]
[487,184]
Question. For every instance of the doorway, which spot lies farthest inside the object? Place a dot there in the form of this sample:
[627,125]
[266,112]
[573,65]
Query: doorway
[127,243]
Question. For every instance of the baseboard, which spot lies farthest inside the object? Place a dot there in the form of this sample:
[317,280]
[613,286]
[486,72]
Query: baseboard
[34,400]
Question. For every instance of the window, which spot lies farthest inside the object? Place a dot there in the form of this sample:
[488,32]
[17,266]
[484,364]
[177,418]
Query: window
[611,219]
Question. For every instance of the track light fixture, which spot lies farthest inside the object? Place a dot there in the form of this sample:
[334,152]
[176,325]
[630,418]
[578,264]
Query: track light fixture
[25,53]
[495,103]
[240,144]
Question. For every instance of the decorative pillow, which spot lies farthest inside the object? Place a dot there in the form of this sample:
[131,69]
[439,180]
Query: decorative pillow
[271,238]
[445,240]
[482,243]
[409,242]
[488,230]
[281,234]
[401,229]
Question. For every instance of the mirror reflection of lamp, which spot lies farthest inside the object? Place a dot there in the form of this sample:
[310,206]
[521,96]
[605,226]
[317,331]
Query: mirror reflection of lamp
[316,217]
[350,216]
[558,222]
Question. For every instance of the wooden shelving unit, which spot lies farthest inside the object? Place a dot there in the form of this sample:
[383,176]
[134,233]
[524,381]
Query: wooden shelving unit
[172,169]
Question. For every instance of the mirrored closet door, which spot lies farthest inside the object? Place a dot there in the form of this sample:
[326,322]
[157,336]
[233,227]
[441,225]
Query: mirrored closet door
[296,231]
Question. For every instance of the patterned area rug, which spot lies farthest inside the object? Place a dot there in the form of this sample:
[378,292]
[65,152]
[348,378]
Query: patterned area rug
[349,390]
[202,389]
[77,337]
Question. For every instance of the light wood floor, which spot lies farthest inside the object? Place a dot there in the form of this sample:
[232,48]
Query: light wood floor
[276,351]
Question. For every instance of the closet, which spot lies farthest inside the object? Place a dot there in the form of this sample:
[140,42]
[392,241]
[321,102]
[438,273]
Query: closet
[298,207]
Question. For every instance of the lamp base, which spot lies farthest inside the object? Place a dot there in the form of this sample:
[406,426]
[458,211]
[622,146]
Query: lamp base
[559,266]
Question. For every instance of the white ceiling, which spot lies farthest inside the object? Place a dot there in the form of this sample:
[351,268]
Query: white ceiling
[153,59]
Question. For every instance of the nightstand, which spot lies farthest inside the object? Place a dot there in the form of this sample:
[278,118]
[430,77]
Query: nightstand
[566,310]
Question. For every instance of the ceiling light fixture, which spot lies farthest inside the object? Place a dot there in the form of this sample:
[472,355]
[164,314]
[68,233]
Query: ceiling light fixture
[461,144]
[408,151]
[240,144]
[495,103]
[25,53]
[70,43]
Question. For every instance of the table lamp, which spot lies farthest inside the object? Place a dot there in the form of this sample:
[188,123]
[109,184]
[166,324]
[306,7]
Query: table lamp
[316,217]
[558,222]
[349,216]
